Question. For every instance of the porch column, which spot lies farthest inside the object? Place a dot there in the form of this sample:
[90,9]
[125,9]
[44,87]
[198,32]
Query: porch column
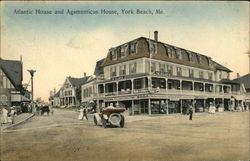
[223,103]
[117,88]
[133,108]
[166,84]
[104,89]
[193,86]
[167,105]
[204,105]
[181,106]
[149,106]
[132,86]
[194,102]
[181,86]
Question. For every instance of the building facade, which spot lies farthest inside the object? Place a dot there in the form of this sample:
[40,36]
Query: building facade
[70,92]
[150,77]
[11,88]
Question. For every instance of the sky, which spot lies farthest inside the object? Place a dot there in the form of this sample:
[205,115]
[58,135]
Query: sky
[61,45]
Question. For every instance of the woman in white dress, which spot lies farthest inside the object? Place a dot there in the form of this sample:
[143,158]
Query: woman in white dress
[80,117]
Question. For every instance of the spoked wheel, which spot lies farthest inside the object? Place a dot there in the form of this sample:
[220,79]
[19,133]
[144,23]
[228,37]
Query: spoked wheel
[122,122]
[104,123]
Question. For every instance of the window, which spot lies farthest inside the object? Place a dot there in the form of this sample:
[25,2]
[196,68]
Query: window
[162,67]
[153,48]
[170,69]
[122,70]
[4,82]
[179,71]
[137,84]
[112,71]
[1,72]
[201,74]
[112,55]
[201,59]
[191,73]
[190,56]
[210,76]
[153,66]
[170,52]
[210,62]
[133,49]
[132,68]
[178,54]
[123,51]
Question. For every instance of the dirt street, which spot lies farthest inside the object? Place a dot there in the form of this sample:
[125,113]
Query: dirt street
[222,136]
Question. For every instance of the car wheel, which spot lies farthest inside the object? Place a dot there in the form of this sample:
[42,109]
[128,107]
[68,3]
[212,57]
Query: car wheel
[104,123]
[95,121]
[122,123]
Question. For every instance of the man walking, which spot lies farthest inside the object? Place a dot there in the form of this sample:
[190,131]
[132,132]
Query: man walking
[85,113]
[190,112]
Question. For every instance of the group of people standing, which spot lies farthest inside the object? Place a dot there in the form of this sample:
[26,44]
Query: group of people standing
[7,116]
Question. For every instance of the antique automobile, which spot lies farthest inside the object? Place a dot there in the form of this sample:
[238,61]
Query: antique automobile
[110,116]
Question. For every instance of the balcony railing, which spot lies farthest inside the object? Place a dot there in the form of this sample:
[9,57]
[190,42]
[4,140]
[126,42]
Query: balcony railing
[128,91]
[174,91]
[168,91]
[110,93]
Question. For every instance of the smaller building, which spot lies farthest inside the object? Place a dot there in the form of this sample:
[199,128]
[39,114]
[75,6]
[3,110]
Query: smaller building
[70,92]
[245,82]
[11,88]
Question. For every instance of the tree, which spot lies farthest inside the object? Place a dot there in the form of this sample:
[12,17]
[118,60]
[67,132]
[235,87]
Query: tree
[78,95]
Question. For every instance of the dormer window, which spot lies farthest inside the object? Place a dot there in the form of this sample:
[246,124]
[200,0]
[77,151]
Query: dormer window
[190,56]
[178,54]
[210,62]
[123,50]
[152,47]
[133,47]
[112,55]
[201,59]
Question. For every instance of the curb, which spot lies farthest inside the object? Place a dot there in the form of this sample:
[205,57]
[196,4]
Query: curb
[13,125]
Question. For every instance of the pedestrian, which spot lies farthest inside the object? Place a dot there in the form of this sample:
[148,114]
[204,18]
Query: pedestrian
[190,112]
[80,117]
[5,115]
[12,114]
[85,113]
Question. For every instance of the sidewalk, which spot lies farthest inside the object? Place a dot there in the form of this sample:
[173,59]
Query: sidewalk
[17,120]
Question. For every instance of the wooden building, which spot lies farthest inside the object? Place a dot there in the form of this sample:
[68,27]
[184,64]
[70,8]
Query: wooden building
[150,77]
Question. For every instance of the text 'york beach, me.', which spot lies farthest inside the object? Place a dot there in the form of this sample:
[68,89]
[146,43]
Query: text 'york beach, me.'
[89,12]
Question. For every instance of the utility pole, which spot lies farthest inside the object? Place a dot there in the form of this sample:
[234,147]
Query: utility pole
[31,71]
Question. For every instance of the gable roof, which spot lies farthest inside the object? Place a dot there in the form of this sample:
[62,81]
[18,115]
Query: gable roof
[245,80]
[78,81]
[99,67]
[221,67]
[13,69]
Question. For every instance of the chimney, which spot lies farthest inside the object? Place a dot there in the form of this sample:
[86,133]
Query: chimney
[156,35]
[84,74]
[238,75]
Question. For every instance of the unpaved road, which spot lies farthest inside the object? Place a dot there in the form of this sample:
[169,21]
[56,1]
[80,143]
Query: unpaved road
[223,136]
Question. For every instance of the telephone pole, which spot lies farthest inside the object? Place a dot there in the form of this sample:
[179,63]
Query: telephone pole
[31,71]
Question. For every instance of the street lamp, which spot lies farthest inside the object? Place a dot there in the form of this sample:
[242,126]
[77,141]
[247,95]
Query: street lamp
[31,71]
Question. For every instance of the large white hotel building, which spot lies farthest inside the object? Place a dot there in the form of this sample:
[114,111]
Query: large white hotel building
[146,76]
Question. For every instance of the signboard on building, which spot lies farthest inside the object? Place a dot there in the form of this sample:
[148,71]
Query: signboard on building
[15,98]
